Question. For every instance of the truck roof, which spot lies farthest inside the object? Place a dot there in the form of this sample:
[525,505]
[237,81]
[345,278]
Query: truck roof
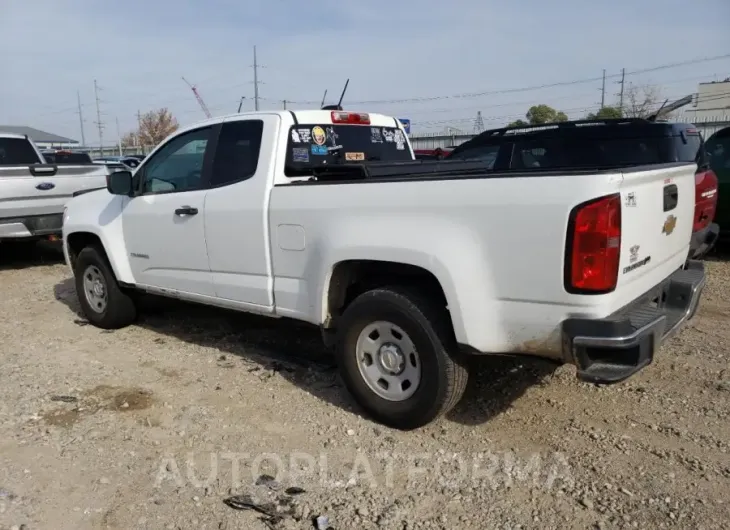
[307,116]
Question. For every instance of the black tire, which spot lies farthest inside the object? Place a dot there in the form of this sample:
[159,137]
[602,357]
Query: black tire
[120,310]
[444,371]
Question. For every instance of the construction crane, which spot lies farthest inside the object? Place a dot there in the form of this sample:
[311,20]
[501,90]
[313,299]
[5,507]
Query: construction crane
[200,100]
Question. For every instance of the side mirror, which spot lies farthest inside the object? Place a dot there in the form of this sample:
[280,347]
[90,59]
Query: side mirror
[119,183]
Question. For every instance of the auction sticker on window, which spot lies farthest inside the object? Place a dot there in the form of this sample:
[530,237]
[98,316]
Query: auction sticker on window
[354,157]
[300,154]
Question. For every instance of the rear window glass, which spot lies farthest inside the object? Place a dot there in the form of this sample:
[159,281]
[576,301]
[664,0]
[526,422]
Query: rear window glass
[579,152]
[17,151]
[310,146]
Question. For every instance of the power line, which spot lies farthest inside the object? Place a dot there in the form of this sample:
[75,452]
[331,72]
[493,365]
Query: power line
[534,87]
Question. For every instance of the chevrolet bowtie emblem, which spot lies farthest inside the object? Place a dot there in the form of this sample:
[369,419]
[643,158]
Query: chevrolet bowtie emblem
[669,225]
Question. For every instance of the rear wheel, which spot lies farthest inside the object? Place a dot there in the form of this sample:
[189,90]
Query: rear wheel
[398,358]
[103,302]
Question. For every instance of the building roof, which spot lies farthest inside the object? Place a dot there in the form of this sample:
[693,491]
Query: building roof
[36,135]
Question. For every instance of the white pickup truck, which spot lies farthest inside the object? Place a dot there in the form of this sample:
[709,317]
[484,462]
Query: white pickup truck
[33,193]
[407,266]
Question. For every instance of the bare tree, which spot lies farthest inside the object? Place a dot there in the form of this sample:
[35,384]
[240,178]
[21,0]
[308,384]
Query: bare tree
[640,101]
[155,126]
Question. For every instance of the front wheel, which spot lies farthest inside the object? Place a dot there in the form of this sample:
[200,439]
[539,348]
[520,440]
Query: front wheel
[398,358]
[102,300]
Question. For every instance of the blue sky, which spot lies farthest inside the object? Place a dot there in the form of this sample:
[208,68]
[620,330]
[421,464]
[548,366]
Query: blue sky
[138,51]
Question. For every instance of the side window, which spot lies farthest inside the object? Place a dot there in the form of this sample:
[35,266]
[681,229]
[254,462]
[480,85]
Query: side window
[718,151]
[689,148]
[532,154]
[178,166]
[237,153]
[485,153]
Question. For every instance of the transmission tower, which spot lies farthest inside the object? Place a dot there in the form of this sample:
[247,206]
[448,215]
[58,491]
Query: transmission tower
[200,100]
[479,123]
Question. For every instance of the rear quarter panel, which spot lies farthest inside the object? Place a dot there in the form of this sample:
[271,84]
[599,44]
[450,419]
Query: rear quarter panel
[496,245]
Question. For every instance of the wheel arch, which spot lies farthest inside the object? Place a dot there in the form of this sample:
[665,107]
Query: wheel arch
[76,241]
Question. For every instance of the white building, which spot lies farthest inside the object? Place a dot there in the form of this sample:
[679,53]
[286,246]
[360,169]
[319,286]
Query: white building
[711,103]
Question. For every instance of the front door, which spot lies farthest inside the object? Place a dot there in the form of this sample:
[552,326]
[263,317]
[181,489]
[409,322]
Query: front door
[164,223]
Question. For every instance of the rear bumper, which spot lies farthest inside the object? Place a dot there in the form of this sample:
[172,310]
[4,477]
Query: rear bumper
[31,226]
[611,349]
[703,241]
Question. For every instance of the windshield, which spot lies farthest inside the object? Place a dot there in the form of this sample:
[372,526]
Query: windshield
[312,146]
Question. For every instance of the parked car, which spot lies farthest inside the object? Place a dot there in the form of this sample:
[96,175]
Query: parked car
[602,143]
[407,266]
[33,192]
[116,163]
[718,149]
[431,154]
[65,156]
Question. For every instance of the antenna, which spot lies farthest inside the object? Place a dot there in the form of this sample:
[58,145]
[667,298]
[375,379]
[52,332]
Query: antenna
[339,103]
[342,96]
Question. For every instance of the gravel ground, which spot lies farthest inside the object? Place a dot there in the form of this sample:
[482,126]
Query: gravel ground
[193,415]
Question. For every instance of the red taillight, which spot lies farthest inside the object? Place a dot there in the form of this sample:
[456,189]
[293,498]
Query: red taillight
[361,118]
[594,246]
[705,199]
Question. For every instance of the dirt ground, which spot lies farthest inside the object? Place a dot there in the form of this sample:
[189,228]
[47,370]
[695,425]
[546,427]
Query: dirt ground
[156,425]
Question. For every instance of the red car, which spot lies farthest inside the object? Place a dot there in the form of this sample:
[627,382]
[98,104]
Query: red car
[432,154]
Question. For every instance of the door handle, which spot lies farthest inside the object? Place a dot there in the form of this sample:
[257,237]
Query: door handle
[186,210]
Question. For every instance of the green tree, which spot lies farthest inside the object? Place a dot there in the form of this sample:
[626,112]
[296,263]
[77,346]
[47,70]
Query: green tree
[539,115]
[518,123]
[606,113]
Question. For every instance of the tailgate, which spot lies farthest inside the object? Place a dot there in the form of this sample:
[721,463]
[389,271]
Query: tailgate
[657,214]
[44,189]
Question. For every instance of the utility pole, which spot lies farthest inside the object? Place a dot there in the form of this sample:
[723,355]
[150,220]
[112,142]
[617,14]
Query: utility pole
[621,94]
[99,124]
[284,102]
[81,119]
[603,90]
[137,141]
[255,80]
[119,138]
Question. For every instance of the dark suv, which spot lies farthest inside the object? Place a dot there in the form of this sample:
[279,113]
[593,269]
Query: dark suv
[604,144]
